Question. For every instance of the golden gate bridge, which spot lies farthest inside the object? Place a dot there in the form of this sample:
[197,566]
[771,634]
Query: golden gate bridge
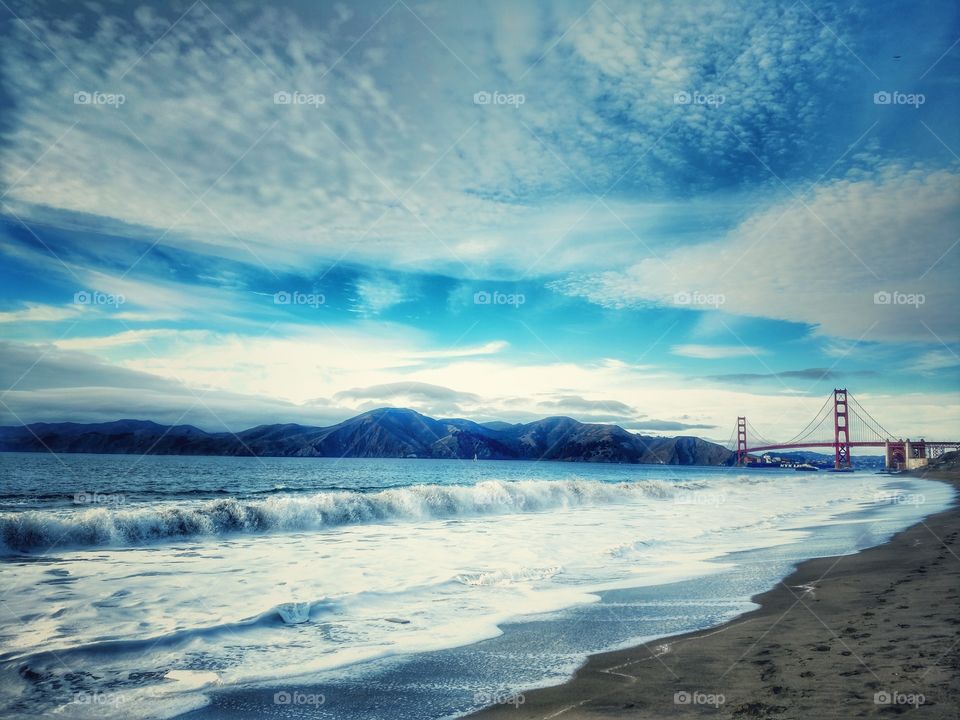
[842,423]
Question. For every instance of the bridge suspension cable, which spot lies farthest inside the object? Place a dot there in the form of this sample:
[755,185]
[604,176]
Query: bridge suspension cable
[814,424]
[756,438]
[875,427]
[732,440]
[843,424]
[863,427]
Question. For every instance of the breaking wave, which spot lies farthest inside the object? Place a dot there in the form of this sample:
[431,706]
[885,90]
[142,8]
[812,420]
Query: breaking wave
[40,530]
[502,577]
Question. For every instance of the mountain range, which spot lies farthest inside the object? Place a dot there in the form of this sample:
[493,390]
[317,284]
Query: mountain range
[382,433]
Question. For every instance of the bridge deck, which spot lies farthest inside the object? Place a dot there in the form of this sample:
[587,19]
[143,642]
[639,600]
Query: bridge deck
[853,443]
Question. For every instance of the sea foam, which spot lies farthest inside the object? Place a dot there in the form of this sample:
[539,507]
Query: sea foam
[40,530]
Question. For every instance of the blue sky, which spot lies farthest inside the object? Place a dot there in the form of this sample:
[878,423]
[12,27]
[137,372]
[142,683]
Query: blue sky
[658,214]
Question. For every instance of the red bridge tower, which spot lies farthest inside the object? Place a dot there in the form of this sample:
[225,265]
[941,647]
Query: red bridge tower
[741,440]
[841,430]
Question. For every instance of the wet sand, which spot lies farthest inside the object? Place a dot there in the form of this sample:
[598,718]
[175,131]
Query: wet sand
[875,634]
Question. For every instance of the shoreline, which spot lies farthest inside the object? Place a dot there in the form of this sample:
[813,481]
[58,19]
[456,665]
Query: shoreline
[836,638]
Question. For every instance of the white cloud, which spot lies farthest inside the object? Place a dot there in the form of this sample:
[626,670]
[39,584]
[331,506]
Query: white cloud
[35,312]
[376,294]
[430,399]
[129,337]
[389,170]
[490,348]
[846,260]
[399,169]
[311,378]
[716,352]
[934,360]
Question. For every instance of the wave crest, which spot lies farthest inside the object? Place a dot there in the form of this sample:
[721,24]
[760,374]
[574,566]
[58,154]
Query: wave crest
[41,530]
[504,577]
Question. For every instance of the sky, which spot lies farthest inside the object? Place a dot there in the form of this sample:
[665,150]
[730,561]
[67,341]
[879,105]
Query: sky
[657,214]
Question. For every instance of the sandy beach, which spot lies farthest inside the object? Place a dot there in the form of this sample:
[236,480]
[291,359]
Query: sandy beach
[875,634]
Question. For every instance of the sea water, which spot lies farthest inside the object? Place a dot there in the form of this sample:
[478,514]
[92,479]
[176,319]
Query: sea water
[245,587]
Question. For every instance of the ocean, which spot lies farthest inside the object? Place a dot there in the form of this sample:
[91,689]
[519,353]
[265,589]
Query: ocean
[213,587]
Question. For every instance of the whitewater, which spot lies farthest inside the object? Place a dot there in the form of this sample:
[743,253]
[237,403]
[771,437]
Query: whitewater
[215,587]
[117,525]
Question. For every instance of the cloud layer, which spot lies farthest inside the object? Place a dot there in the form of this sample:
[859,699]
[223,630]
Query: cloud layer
[392,168]
[841,258]
[700,204]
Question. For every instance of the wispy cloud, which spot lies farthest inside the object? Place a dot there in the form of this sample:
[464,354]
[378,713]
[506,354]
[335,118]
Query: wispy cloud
[716,352]
[837,260]
[309,380]
[33,312]
[935,360]
[679,175]
[375,171]
[374,294]
[130,337]
[491,348]
[810,374]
